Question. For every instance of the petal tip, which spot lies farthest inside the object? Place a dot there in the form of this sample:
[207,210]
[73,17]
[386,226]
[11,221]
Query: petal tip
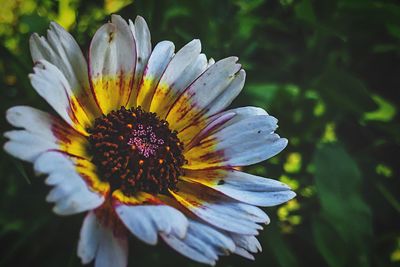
[34,38]
[284,142]
[292,195]
[116,17]
[55,26]
[140,18]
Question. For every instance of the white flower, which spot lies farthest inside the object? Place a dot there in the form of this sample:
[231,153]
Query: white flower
[142,144]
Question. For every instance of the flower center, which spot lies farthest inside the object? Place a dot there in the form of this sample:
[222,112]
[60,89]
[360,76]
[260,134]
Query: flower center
[136,151]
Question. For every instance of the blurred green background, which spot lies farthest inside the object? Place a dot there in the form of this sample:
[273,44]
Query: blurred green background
[328,70]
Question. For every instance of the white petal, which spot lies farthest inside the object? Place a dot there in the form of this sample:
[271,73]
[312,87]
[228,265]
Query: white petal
[52,85]
[26,145]
[98,241]
[165,96]
[244,253]
[242,186]
[112,250]
[241,114]
[228,95]
[142,37]
[191,72]
[89,238]
[156,66]
[31,119]
[211,61]
[112,60]
[42,132]
[202,243]
[218,210]
[246,142]
[146,221]
[55,179]
[191,135]
[81,200]
[51,162]
[61,50]
[186,56]
[71,195]
[246,244]
[203,91]
[221,243]
[60,192]
[189,251]
[166,89]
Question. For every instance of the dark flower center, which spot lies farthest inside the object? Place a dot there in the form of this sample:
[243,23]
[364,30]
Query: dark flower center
[136,151]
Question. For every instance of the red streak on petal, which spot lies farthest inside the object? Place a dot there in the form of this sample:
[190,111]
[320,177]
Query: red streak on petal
[109,219]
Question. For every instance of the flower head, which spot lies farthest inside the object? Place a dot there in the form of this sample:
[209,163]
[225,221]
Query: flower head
[141,143]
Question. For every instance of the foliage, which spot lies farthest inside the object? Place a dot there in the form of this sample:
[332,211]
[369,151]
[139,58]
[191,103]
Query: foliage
[327,69]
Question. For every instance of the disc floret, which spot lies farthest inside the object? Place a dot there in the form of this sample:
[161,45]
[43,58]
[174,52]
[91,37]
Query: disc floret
[134,150]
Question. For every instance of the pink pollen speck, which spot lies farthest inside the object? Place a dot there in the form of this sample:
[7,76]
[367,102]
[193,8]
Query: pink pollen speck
[145,140]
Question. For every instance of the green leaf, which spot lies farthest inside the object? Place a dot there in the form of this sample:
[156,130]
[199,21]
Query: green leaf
[393,30]
[385,112]
[276,244]
[344,220]
[262,94]
[333,252]
[304,11]
[22,171]
[342,91]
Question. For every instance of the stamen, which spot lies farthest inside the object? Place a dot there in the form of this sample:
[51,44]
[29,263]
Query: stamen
[136,151]
[145,141]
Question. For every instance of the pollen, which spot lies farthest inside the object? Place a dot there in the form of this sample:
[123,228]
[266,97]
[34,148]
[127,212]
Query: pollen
[134,151]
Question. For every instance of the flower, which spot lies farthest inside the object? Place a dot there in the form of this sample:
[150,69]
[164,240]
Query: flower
[142,144]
